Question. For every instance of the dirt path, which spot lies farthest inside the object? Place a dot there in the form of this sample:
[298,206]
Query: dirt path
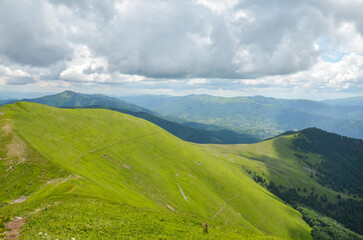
[14,228]
[224,206]
[182,193]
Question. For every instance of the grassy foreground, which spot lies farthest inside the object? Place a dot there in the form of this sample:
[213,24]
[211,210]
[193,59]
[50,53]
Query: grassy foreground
[99,174]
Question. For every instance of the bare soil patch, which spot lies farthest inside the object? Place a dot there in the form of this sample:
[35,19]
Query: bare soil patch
[7,128]
[20,199]
[16,148]
[14,228]
[182,193]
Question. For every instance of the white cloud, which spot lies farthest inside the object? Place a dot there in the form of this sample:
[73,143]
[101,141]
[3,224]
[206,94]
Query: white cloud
[85,67]
[188,44]
[127,78]
[31,33]
[218,6]
[335,76]
[14,77]
[195,81]
[346,38]
[7,72]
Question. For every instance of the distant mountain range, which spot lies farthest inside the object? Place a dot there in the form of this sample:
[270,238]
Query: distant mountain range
[210,119]
[352,102]
[260,116]
[3,102]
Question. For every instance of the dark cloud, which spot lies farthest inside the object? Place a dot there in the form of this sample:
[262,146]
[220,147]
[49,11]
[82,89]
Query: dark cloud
[30,34]
[278,37]
[20,80]
[182,39]
[90,9]
[166,40]
[342,11]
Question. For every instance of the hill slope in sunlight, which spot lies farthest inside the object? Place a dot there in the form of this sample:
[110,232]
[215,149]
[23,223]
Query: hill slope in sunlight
[69,99]
[95,174]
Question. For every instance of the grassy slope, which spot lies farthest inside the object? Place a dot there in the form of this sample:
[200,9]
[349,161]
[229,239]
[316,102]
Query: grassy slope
[120,159]
[188,133]
[69,99]
[275,160]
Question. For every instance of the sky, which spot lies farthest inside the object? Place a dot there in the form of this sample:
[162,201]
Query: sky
[309,49]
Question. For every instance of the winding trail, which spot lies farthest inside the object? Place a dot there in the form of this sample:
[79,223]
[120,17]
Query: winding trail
[224,206]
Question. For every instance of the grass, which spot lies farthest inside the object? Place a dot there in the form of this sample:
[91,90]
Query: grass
[90,219]
[126,164]
[20,159]
[275,161]
[3,220]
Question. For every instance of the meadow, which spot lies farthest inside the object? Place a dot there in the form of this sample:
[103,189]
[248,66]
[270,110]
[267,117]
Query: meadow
[111,168]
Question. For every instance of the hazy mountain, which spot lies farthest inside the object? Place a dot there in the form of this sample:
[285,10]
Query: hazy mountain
[9,101]
[352,101]
[260,116]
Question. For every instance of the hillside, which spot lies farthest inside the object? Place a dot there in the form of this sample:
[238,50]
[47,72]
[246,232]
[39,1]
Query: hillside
[97,174]
[259,116]
[342,167]
[71,99]
[311,168]
[191,134]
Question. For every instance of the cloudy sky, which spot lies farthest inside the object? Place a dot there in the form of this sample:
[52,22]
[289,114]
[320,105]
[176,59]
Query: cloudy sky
[281,48]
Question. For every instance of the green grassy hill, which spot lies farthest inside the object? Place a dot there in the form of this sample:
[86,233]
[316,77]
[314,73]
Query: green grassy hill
[189,133]
[98,174]
[69,99]
[312,168]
